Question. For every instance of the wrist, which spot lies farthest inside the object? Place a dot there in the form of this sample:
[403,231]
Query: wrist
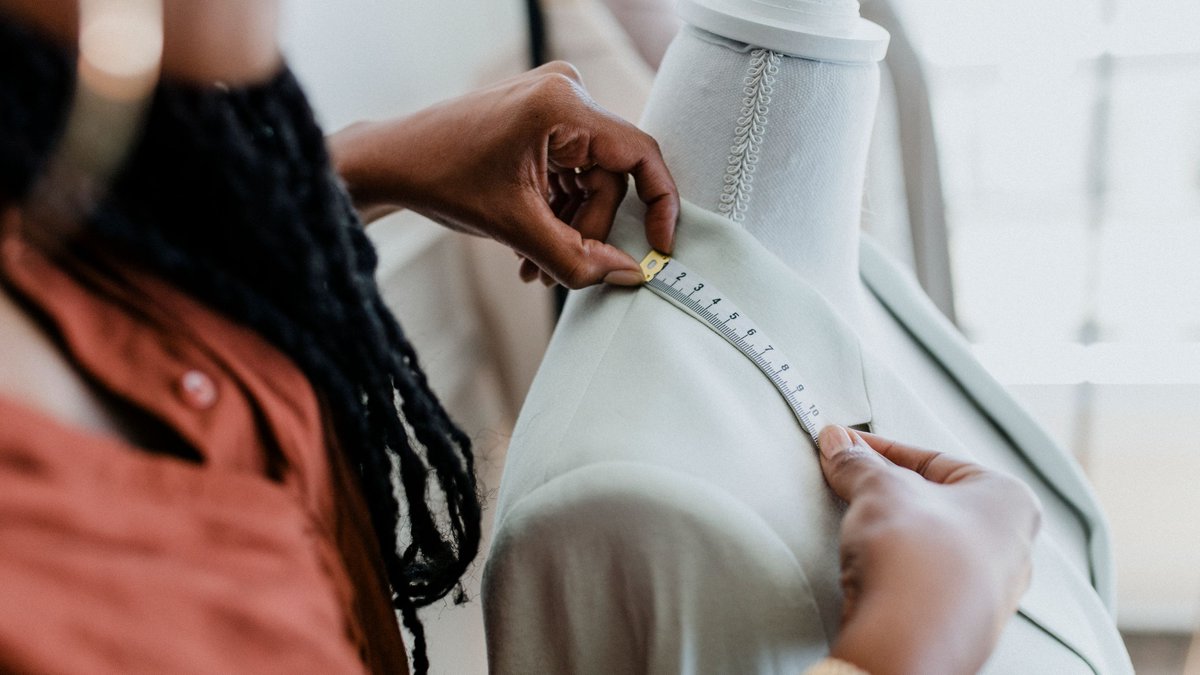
[399,164]
[892,636]
[881,648]
[354,157]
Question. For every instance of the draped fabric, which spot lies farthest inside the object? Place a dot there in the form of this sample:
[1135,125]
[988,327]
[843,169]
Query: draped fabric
[662,511]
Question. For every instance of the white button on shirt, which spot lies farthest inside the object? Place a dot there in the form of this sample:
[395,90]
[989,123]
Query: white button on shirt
[198,389]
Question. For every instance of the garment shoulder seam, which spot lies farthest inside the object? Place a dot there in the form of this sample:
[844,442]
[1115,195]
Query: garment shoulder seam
[590,380]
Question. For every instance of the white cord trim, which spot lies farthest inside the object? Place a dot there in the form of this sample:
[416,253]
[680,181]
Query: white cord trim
[748,135]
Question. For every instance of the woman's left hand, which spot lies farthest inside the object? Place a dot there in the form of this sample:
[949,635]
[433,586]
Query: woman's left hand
[936,553]
[531,162]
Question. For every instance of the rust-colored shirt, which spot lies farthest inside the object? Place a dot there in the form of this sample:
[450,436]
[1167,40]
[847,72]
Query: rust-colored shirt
[260,558]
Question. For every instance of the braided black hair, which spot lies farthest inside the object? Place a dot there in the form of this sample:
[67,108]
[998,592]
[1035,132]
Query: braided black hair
[230,195]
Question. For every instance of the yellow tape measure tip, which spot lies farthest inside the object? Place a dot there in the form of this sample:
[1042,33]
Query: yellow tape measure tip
[653,263]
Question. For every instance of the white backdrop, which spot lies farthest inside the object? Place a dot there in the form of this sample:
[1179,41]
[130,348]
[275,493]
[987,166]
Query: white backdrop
[378,58]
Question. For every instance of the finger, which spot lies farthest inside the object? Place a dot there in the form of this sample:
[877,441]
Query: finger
[619,147]
[558,199]
[935,466]
[528,270]
[560,68]
[573,261]
[573,196]
[851,468]
[604,191]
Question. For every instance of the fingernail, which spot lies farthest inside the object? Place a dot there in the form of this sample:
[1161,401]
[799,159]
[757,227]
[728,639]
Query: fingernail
[624,278]
[834,441]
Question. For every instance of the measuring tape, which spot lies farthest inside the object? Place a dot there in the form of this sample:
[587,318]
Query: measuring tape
[684,288]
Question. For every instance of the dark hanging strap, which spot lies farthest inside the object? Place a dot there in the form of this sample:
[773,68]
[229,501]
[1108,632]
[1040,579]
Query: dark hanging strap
[537,33]
[538,56]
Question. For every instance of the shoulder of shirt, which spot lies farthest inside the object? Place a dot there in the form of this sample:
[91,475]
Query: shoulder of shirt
[635,522]
[586,566]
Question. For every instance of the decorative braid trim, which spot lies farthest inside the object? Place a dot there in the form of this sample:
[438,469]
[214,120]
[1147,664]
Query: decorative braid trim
[748,135]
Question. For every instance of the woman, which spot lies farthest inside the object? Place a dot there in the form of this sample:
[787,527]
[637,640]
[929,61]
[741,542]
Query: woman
[217,450]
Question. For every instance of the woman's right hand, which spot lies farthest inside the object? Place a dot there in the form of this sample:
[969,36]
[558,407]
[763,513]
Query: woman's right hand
[531,162]
[935,554]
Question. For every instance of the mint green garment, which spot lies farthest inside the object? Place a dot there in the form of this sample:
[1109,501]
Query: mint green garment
[662,511]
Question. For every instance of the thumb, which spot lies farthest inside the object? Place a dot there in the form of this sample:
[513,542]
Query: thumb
[934,466]
[850,465]
[575,261]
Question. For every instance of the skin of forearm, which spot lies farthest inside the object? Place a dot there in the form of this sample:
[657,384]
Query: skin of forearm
[354,157]
[394,164]
[399,163]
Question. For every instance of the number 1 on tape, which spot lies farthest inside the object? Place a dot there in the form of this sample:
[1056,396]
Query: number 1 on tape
[684,288]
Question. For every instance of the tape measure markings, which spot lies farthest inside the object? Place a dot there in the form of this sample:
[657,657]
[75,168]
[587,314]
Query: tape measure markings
[736,328]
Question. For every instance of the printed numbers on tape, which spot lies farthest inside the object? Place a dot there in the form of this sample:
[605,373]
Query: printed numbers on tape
[687,290]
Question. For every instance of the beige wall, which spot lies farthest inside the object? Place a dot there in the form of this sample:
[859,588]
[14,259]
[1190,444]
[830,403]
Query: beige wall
[377,58]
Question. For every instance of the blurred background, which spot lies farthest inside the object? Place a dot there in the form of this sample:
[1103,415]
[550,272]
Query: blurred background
[1036,164]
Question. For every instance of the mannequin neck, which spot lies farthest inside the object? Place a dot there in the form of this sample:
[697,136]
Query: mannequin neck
[778,144]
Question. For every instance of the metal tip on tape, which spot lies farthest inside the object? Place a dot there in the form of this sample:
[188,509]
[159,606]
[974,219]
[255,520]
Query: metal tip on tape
[653,263]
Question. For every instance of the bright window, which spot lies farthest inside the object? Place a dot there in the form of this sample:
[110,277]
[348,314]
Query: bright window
[1069,139]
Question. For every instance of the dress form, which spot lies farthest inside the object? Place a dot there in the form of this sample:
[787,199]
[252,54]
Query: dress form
[661,509]
[778,144]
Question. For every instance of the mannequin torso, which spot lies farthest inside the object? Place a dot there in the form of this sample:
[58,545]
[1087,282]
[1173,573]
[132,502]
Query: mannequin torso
[661,509]
[778,144]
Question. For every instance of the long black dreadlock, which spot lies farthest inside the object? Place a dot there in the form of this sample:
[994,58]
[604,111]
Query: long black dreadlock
[231,196]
